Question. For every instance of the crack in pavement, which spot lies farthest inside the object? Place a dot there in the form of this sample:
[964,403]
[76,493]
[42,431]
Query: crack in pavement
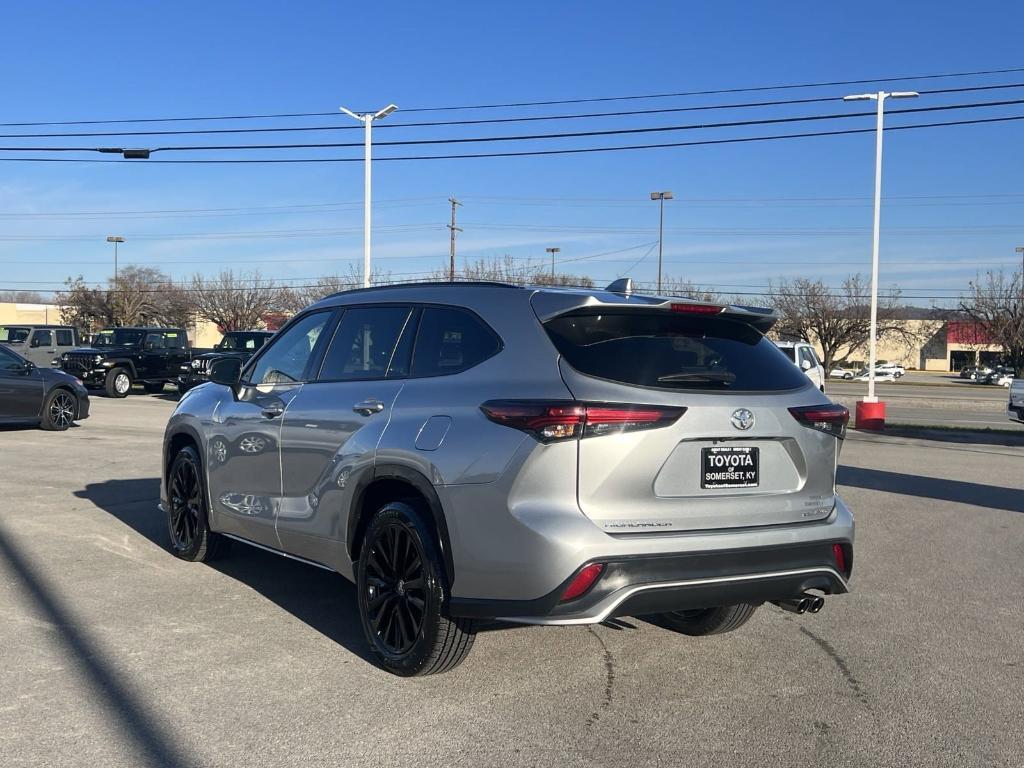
[841,665]
[609,684]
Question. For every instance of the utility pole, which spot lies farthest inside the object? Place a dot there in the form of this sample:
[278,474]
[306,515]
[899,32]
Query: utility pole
[661,197]
[553,251]
[451,268]
[1020,250]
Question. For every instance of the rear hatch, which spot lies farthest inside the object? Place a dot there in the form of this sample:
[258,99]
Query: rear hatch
[738,456]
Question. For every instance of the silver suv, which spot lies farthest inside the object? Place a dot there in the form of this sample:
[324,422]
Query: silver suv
[468,452]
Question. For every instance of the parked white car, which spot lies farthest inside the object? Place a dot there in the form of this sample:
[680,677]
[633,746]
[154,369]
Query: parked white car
[1006,380]
[841,373]
[806,359]
[880,375]
[897,370]
[1015,406]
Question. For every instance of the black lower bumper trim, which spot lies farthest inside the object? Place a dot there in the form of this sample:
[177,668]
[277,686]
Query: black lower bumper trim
[653,583]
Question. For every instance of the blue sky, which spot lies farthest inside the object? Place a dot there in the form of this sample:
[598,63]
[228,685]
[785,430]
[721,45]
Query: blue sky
[743,213]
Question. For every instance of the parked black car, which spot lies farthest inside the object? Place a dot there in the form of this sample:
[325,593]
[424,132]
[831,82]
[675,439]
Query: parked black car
[121,357]
[968,372]
[32,395]
[992,374]
[238,344]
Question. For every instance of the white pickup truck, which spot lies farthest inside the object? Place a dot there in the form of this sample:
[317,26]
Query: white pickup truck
[1015,408]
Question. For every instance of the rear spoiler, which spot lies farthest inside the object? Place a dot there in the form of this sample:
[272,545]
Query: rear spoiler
[549,304]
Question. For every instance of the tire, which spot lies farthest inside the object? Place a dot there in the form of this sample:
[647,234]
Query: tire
[187,521]
[153,388]
[709,621]
[401,591]
[118,382]
[60,409]
[847,376]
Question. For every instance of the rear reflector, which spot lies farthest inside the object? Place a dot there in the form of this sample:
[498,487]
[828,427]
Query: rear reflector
[825,418]
[553,421]
[698,309]
[582,582]
[840,556]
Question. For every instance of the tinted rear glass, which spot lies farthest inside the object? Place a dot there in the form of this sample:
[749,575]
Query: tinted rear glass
[451,340]
[673,351]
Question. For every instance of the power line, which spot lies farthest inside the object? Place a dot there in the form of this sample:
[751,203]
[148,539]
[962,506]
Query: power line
[511,105]
[484,121]
[528,153]
[546,136]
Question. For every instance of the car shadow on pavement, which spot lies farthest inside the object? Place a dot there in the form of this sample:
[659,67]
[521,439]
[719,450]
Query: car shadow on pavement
[134,716]
[323,600]
[943,489]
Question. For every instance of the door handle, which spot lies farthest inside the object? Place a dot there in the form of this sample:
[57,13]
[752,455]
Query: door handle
[272,411]
[368,407]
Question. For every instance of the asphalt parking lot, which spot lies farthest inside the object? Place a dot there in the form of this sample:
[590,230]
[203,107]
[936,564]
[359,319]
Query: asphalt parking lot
[117,654]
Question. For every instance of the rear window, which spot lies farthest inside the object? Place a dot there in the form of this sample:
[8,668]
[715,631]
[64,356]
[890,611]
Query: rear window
[673,351]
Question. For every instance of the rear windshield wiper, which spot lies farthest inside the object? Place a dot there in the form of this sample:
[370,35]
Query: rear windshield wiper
[717,377]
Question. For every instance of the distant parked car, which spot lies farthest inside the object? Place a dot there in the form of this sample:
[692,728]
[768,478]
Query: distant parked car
[968,371]
[803,356]
[897,370]
[1015,407]
[237,344]
[880,375]
[992,375]
[841,373]
[1005,380]
[120,357]
[40,344]
[33,394]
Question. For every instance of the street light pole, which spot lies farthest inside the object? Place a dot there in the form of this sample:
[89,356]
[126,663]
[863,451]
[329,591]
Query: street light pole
[661,197]
[115,239]
[367,118]
[553,251]
[880,98]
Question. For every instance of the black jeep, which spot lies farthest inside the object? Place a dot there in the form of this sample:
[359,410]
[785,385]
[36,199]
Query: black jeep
[120,357]
[239,344]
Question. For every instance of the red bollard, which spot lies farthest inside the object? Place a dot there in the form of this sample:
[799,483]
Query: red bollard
[869,415]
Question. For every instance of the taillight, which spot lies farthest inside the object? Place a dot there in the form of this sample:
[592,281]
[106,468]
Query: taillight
[553,421]
[697,309]
[826,418]
[582,582]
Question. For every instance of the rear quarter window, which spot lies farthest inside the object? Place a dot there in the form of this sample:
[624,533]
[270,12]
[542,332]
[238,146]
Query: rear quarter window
[670,351]
[451,340]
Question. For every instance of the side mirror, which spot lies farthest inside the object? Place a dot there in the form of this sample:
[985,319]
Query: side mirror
[29,366]
[226,371]
[806,365]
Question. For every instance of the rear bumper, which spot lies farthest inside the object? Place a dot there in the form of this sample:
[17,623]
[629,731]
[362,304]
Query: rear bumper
[646,584]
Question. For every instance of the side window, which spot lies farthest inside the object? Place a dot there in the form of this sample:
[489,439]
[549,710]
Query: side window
[806,355]
[451,340]
[42,339]
[8,362]
[363,344]
[174,340]
[65,338]
[154,341]
[285,361]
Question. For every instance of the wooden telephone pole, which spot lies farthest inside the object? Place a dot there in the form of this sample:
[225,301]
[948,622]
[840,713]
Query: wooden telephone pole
[451,268]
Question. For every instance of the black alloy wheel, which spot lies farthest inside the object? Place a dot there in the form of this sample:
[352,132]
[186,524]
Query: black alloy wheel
[401,589]
[395,588]
[191,537]
[61,408]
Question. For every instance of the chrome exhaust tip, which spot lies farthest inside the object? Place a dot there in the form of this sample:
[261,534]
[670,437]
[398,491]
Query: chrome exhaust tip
[816,603]
[798,605]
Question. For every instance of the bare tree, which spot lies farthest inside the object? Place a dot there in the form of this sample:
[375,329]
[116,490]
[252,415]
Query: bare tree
[837,320]
[293,299]
[139,296]
[22,297]
[234,302]
[686,289]
[508,270]
[996,305]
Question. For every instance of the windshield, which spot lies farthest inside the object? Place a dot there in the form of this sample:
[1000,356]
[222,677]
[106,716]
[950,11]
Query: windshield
[118,337]
[249,342]
[13,335]
[672,351]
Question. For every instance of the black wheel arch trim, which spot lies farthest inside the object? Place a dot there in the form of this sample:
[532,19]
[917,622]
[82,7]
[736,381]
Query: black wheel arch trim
[423,486]
[168,459]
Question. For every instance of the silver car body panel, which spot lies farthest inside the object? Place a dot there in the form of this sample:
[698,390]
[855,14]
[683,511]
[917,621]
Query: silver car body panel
[520,516]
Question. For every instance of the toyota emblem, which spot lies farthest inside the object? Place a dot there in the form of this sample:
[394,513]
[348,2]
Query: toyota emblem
[742,418]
